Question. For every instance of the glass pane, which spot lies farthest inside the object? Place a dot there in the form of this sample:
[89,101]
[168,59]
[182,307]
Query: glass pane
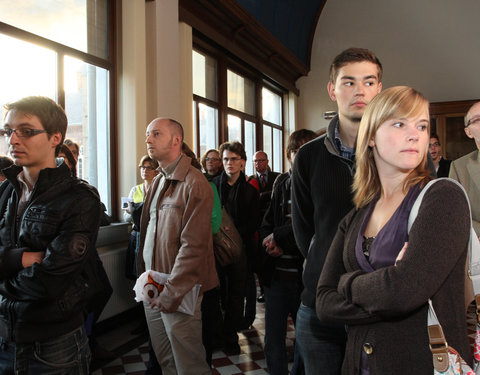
[80,24]
[249,146]
[87,108]
[31,72]
[240,93]
[208,128]
[277,151]
[234,125]
[204,76]
[267,141]
[271,107]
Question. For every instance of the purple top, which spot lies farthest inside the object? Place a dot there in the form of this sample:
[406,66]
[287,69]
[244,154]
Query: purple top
[386,245]
[390,239]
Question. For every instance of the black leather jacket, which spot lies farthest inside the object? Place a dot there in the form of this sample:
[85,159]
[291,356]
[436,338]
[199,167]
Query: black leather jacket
[61,218]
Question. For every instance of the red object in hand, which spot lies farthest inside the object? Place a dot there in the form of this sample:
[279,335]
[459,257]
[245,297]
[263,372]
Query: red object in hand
[153,288]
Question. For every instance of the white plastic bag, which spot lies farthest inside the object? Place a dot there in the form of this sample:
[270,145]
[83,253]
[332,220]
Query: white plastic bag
[147,289]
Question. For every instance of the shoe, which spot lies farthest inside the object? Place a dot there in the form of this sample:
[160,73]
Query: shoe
[232,349]
[261,298]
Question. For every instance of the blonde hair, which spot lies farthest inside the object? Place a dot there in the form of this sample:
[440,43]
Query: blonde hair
[398,101]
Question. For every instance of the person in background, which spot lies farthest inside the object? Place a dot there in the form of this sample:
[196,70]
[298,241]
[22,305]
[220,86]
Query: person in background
[281,273]
[148,171]
[371,277]
[176,239]
[5,162]
[211,312]
[68,158]
[240,200]
[442,166]
[321,196]
[99,353]
[74,148]
[264,179]
[466,169]
[212,164]
[49,266]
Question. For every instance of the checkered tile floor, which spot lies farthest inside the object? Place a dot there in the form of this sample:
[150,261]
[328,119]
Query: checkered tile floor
[251,359]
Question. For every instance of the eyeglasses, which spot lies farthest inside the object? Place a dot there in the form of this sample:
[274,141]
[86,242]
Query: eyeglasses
[147,168]
[259,160]
[212,159]
[22,132]
[436,144]
[233,160]
[473,121]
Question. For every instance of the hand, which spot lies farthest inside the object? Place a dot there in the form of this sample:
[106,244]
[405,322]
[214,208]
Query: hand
[401,253]
[275,251]
[30,257]
[268,240]
[128,209]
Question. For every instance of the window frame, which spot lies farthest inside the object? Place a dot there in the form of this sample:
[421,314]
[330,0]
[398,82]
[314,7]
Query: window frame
[226,61]
[108,64]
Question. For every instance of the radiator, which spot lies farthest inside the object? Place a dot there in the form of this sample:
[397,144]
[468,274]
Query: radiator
[122,297]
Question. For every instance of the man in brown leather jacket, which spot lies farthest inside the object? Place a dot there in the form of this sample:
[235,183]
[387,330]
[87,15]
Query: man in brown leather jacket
[176,239]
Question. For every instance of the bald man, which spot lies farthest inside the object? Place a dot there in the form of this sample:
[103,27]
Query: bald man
[466,169]
[176,239]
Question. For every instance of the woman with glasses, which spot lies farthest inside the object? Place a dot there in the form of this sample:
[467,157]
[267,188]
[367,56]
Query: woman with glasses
[212,164]
[148,171]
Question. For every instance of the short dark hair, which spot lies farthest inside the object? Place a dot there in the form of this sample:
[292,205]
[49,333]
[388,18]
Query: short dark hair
[177,125]
[51,115]
[69,142]
[353,55]
[298,138]
[235,147]
[5,162]
[68,154]
[434,135]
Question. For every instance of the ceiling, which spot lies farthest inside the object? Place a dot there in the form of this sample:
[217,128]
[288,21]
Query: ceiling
[292,22]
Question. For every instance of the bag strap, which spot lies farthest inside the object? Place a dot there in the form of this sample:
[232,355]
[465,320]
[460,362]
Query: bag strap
[437,342]
[473,244]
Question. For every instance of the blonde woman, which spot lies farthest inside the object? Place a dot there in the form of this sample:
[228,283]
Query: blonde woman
[378,277]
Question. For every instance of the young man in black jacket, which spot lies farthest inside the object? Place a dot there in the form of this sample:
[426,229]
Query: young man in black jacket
[321,197]
[281,273]
[48,260]
[240,200]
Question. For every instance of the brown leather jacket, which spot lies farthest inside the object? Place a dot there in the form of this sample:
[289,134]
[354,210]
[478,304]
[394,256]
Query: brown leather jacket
[183,238]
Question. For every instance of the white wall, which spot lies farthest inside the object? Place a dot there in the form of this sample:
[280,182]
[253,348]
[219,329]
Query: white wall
[154,78]
[431,45]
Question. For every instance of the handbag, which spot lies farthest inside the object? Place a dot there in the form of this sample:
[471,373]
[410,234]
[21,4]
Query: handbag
[446,360]
[227,243]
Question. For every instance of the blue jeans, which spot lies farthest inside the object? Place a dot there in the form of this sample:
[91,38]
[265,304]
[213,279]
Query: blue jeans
[320,345]
[68,354]
[281,299]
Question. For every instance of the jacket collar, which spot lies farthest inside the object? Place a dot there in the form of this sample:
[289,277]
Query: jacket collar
[46,178]
[330,136]
[178,171]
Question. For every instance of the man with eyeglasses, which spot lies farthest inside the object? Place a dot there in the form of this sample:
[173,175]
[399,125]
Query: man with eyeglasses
[466,169]
[48,259]
[442,166]
[240,200]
